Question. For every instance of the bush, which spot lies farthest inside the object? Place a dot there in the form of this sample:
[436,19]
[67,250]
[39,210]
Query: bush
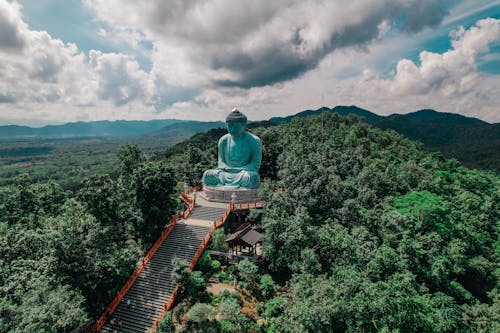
[193,282]
[223,276]
[228,327]
[216,265]
[205,263]
[247,270]
[166,325]
[243,285]
[274,307]
[218,241]
[200,313]
[267,286]
[229,310]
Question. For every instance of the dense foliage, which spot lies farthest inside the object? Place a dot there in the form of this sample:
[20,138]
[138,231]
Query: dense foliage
[364,231]
[65,256]
[367,231]
[475,145]
[374,234]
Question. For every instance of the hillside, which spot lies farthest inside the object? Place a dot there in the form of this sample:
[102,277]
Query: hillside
[472,141]
[369,232]
[368,116]
[183,129]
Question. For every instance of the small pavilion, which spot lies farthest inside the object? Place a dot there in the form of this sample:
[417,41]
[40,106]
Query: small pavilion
[244,240]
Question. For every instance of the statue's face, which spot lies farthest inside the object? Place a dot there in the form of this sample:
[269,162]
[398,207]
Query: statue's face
[236,128]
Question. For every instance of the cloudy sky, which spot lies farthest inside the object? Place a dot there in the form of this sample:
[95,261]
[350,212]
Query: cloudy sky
[71,60]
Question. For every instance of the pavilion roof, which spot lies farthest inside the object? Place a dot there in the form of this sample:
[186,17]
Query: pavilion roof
[248,235]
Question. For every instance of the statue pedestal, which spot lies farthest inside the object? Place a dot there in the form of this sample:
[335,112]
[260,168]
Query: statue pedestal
[223,194]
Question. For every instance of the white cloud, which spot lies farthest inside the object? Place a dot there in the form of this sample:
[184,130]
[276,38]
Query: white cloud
[120,78]
[448,82]
[52,80]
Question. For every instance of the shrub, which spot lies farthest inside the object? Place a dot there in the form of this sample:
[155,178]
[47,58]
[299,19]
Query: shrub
[247,270]
[200,313]
[216,265]
[166,325]
[230,310]
[218,241]
[223,276]
[267,286]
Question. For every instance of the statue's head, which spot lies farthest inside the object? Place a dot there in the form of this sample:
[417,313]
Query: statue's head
[236,123]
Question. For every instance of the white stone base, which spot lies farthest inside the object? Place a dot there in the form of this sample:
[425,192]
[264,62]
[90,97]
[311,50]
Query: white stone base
[223,194]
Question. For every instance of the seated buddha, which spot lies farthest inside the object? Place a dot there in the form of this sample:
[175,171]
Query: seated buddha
[239,156]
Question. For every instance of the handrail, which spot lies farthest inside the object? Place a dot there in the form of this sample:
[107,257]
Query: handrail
[185,194]
[185,198]
[217,224]
[190,201]
[247,205]
[116,301]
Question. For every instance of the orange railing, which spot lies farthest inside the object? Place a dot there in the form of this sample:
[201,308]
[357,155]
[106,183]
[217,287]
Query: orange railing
[185,195]
[247,205]
[191,202]
[217,224]
[116,301]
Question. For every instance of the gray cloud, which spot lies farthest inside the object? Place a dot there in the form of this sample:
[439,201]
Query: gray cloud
[166,95]
[425,13]
[11,38]
[265,42]
[273,66]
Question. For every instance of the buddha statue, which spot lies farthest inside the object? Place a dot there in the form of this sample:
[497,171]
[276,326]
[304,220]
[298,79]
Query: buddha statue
[239,157]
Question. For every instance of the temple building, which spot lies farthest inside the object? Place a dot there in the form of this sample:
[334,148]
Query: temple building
[245,240]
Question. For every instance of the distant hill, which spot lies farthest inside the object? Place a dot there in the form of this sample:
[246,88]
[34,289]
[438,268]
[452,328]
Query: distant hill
[184,129]
[369,117]
[432,116]
[86,129]
[472,141]
[434,128]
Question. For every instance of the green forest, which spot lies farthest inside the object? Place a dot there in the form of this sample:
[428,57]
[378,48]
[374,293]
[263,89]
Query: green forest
[65,255]
[364,231]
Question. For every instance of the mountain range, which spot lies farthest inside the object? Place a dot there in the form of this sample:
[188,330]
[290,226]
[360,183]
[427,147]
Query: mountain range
[86,129]
[474,142]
